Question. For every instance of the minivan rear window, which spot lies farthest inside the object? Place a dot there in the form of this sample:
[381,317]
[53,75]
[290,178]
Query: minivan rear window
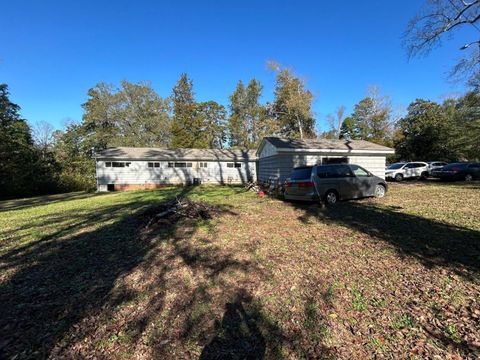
[301,173]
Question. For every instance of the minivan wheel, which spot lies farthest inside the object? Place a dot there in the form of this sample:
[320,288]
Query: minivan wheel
[331,197]
[468,177]
[398,177]
[379,191]
[424,175]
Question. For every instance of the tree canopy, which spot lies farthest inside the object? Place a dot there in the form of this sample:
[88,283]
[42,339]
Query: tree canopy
[292,106]
[249,121]
[448,131]
[16,147]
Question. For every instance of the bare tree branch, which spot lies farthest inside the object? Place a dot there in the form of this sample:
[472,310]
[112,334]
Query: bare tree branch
[438,19]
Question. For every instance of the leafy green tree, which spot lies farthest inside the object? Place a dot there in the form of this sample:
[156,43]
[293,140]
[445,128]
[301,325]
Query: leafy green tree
[257,121]
[186,125]
[425,133]
[142,116]
[73,154]
[133,115]
[17,154]
[348,129]
[292,107]
[248,122]
[371,118]
[237,122]
[214,133]
[99,121]
[466,123]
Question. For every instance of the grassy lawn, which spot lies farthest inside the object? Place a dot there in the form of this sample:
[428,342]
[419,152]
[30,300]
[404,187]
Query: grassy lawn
[81,276]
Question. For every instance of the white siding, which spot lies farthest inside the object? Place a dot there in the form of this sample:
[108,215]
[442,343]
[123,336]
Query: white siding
[278,168]
[139,173]
[373,163]
[268,150]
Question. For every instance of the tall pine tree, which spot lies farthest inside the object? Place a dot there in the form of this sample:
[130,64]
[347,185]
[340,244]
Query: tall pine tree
[237,122]
[17,154]
[186,125]
[248,122]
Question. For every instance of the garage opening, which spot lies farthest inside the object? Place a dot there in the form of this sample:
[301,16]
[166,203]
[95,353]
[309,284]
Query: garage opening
[337,160]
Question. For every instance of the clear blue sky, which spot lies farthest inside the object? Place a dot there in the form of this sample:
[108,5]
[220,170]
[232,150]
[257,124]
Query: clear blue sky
[52,52]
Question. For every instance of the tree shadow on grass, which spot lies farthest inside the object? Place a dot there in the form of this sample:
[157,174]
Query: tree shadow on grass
[58,280]
[66,287]
[432,242]
[17,204]
[238,335]
[244,332]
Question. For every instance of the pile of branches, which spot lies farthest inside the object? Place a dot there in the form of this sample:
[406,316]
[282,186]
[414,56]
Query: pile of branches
[253,186]
[182,208]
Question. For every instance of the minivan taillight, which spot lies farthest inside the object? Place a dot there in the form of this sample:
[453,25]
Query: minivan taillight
[306,184]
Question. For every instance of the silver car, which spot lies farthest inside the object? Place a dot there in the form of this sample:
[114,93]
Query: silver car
[435,165]
[332,183]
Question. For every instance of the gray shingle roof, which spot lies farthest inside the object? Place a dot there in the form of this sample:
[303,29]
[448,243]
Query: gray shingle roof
[177,154]
[325,144]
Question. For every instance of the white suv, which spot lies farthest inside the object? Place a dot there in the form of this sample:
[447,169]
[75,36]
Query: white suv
[400,171]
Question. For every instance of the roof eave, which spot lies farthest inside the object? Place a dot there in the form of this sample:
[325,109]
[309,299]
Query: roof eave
[260,147]
[162,158]
[346,151]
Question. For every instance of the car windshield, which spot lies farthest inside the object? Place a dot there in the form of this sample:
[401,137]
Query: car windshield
[301,173]
[396,166]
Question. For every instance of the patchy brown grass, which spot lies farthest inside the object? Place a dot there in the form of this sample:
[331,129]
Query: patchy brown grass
[83,277]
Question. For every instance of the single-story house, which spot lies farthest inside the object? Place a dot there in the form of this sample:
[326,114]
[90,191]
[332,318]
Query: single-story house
[277,157]
[125,168]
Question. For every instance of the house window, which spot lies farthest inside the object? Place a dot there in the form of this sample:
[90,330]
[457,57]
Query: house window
[153,164]
[117,164]
[179,164]
[182,164]
[150,165]
[203,164]
[337,160]
[237,165]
